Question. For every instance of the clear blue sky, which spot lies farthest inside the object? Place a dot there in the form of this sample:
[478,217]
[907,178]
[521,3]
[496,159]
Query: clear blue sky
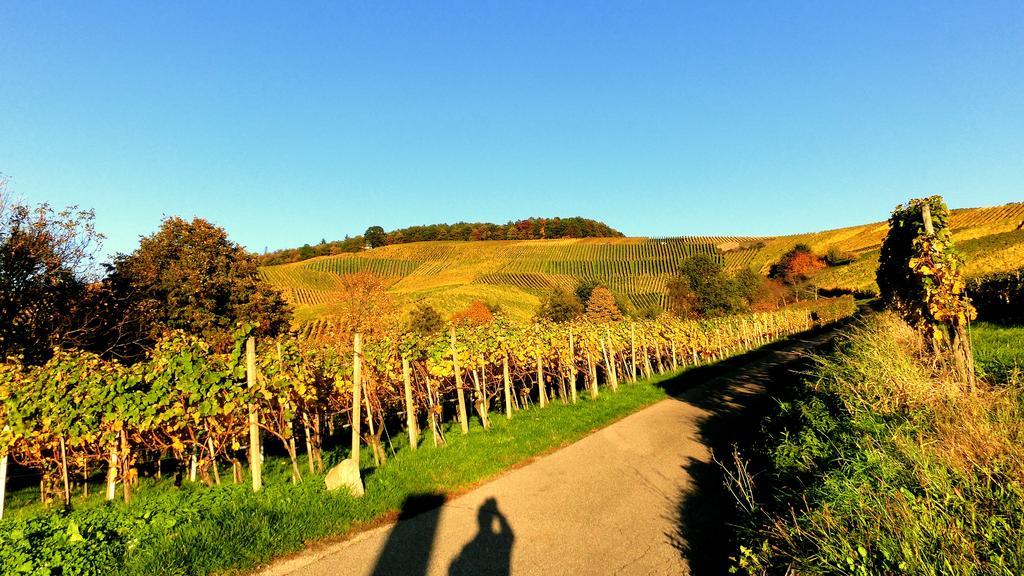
[291,122]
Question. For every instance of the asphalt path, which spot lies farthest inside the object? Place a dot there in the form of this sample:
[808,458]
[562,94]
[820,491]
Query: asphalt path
[641,496]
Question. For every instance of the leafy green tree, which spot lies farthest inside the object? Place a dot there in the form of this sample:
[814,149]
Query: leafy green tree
[751,287]
[560,306]
[191,276]
[713,292]
[46,264]
[601,306]
[375,237]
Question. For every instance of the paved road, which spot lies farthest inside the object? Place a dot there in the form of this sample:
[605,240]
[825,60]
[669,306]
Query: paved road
[641,496]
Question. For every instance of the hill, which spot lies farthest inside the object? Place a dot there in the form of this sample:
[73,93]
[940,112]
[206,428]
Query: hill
[514,274]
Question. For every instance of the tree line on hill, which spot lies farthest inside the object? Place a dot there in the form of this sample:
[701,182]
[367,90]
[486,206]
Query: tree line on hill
[376,236]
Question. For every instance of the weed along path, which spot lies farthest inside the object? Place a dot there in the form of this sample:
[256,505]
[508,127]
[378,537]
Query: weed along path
[641,496]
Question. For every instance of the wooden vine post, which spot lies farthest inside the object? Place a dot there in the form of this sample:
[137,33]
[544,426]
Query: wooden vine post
[572,367]
[255,456]
[410,408]
[609,367]
[64,472]
[540,381]
[632,346]
[592,373]
[112,472]
[463,417]
[508,386]
[357,385]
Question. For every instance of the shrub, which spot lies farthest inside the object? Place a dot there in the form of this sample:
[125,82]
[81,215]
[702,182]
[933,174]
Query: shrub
[560,306]
[797,265]
[602,307]
[999,297]
[425,320]
[476,314]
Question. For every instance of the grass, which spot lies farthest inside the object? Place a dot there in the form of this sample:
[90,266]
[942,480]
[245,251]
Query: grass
[201,530]
[998,351]
[877,463]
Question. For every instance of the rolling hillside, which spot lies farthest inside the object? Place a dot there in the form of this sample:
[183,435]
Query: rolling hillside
[516,273]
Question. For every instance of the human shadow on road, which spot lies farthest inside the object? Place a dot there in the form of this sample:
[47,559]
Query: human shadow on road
[407,551]
[490,552]
[730,392]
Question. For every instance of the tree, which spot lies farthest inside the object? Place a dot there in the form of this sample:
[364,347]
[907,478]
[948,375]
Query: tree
[601,306]
[560,306]
[46,264]
[476,314]
[364,306]
[750,286]
[424,320]
[920,277]
[584,290]
[714,293]
[190,276]
[682,301]
[797,265]
[836,257]
[375,237]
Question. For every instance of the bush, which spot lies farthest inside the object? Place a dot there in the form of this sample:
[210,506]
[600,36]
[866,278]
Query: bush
[560,306]
[999,297]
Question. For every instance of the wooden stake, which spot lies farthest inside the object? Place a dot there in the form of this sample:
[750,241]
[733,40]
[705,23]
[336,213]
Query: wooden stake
[213,460]
[463,417]
[410,408]
[593,373]
[572,367]
[508,386]
[926,215]
[255,455]
[632,345]
[543,395]
[435,426]
[357,383]
[478,402]
[112,472]
[609,367]
[309,443]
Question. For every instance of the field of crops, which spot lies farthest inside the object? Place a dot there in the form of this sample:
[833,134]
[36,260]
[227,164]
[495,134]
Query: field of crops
[514,274]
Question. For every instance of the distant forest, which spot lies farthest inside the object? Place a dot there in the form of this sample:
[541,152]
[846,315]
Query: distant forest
[375,236]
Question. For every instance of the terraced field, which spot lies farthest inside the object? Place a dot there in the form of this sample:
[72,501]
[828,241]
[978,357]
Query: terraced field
[516,274]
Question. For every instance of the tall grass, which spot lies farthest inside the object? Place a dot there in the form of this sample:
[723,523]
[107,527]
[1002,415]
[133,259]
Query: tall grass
[877,464]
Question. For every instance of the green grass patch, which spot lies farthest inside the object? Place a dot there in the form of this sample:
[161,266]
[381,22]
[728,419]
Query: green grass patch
[200,530]
[998,350]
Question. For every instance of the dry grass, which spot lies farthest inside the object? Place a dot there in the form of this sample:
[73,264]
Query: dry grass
[880,463]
